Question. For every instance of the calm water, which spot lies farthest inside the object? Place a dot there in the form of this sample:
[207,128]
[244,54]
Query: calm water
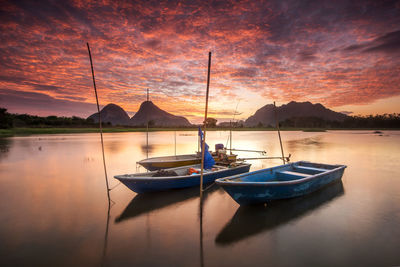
[54,205]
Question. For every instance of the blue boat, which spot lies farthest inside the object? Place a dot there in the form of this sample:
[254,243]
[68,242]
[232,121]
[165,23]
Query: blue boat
[163,180]
[280,182]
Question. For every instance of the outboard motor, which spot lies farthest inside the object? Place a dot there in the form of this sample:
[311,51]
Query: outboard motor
[218,147]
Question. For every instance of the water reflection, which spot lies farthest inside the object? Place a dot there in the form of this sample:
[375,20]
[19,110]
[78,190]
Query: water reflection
[308,143]
[5,145]
[251,220]
[172,229]
[146,149]
[145,203]
[114,147]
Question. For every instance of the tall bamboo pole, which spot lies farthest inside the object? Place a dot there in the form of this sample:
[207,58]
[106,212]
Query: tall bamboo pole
[230,137]
[147,129]
[203,145]
[101,129]
[279,132]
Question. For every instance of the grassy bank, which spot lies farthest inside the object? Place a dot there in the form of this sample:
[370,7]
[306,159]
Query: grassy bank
[33,131]
[30,131]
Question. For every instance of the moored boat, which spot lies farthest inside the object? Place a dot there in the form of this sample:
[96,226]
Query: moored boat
[157,163]
[180,177]
[285,181]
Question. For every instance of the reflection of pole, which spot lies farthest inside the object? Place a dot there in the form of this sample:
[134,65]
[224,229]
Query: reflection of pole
[205,120]
[201,234]
[101,129]
[279,132]
[148,227]
[103,261]
[175,143]
[147,141]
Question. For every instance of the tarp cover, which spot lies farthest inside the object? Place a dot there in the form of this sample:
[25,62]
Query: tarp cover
[208,159]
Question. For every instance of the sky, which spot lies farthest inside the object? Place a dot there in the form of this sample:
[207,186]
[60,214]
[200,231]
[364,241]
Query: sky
[342,54]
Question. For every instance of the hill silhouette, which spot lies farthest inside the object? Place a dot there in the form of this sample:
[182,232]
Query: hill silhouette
[266,115]
[113,114]
[116,115]
[156,117]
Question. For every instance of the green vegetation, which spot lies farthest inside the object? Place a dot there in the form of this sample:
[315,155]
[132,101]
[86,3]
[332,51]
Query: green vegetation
[8,120]
[370,122]
[28,131]
[211,123]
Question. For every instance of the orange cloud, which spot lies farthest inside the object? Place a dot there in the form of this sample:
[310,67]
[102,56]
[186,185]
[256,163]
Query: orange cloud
[336,54]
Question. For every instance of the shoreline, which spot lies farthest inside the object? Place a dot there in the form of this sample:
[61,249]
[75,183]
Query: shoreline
[33,131]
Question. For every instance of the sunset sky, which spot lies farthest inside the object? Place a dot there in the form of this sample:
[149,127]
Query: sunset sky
[342,54]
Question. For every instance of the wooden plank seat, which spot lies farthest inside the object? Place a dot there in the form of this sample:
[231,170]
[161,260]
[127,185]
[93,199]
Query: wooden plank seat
[309,170]
[290,175]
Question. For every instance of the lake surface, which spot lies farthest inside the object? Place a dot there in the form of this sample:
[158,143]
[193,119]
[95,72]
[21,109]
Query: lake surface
[53,204]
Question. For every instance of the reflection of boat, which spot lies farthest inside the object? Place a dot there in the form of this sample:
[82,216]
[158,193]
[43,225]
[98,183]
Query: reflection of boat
[164,179]
[251,220]
[157,163]
[144,203]
[285,181]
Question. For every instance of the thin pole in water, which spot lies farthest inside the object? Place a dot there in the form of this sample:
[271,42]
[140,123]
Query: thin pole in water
[279,132]
[230,137]
[231,127]
[147,129]
[101,129]
[175,143]
[203,145]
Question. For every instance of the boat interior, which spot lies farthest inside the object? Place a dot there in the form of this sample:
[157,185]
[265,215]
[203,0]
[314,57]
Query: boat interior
[170,158]
[284,173]
[181,171]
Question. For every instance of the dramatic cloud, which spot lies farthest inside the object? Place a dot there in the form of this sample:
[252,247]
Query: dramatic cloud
[42,104]
[338,53]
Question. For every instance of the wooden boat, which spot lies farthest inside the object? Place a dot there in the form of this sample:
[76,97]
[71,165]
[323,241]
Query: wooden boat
[285,181]
[158,163]
[151,182]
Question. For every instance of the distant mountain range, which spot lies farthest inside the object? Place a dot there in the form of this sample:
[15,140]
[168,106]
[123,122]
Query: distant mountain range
[265,116]
[116,115]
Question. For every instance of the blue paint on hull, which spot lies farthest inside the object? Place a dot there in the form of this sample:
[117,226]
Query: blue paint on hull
[153,184]
[285,181]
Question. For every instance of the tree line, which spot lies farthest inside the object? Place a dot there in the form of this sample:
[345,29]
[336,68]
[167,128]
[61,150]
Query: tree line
[8,120]
[370,121]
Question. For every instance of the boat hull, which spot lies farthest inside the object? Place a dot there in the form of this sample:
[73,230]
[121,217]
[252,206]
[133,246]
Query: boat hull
[166,162]
[250,188]
[154,184]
